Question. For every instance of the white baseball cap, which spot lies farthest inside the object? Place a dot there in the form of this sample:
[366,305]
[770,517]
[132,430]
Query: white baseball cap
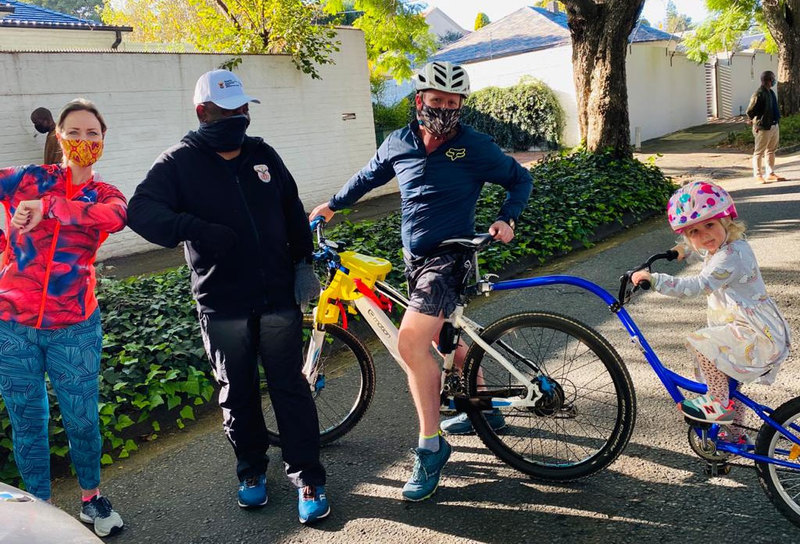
[223,88]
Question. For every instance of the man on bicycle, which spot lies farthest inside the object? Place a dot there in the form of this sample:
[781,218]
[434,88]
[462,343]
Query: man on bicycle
[441,167]
[234,204]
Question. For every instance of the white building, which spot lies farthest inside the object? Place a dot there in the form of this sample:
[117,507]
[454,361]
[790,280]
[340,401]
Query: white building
[25,27]
[322,128]
[666,91]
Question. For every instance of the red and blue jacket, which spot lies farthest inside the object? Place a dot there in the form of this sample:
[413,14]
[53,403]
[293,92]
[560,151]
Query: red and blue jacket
[47,278]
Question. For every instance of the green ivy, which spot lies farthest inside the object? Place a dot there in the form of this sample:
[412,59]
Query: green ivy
[153,357]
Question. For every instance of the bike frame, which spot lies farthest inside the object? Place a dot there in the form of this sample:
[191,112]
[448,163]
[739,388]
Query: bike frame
[672,381]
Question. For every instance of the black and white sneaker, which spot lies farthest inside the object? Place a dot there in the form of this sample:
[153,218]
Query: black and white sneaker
[99,512]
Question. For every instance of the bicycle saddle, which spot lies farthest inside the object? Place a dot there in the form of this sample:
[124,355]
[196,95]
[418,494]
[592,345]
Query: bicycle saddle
[476,243]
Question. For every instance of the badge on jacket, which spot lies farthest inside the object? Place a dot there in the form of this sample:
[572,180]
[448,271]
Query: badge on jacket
[263,172]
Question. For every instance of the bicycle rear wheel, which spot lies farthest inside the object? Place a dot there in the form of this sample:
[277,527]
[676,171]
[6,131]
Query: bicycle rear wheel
[781,484]
[587,413]
[344,388]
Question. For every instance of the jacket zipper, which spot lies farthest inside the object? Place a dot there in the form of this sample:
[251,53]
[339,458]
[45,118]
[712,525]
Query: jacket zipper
[53,246]
[255,231]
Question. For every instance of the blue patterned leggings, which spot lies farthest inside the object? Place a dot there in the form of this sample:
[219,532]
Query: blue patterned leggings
[71,358]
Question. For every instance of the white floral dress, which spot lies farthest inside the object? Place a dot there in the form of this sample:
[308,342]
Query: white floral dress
[747,337]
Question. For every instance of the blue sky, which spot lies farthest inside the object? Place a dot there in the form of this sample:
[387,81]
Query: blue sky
[464,11]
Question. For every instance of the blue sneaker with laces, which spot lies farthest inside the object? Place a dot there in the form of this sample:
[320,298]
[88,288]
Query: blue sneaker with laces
[427,472]
[312,503]
[253,492]
[461,423]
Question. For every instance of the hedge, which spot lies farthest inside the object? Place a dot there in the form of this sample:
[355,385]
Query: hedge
[154,365]
[518,118]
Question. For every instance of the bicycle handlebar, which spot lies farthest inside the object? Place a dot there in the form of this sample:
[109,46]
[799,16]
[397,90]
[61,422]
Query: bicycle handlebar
[625,289]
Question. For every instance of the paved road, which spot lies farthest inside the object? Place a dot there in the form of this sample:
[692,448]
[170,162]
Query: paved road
[181,489]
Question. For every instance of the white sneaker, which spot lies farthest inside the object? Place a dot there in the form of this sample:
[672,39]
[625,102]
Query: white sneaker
[99,512]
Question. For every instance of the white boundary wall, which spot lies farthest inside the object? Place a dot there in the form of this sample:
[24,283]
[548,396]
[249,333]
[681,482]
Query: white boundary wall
[146,99]
[746,69]
[662,98]
[553,66]
[666,92]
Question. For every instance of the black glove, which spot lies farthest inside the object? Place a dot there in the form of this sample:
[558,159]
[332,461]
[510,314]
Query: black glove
[306,285]
[213,239]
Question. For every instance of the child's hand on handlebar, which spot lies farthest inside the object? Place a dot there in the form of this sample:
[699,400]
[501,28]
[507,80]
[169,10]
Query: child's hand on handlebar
[640,275]
[680,249]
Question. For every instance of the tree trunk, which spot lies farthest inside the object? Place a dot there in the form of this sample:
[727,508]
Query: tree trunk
[600,33]
[783,21]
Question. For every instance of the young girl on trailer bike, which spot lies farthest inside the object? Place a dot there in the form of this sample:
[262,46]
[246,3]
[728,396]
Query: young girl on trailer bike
[747,338]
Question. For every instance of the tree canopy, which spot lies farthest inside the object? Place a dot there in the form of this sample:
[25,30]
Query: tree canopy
[85,9]
[481,20]
[395,32]
[779,20]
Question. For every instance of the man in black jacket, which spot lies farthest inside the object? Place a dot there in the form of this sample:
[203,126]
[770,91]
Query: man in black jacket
[764,112]
[233,203]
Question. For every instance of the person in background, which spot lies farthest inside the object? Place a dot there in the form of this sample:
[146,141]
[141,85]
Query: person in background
[49,318]
[764,113]
[234,204]
[43,122]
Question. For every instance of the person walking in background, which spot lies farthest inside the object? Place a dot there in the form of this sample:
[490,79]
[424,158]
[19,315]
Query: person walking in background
[441,167]
[43,122]
[49,318]
[764,113]
[230,198]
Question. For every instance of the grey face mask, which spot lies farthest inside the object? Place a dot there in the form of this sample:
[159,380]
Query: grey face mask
[438,121]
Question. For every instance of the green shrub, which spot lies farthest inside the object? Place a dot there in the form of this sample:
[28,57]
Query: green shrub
[389,118]
[519,117]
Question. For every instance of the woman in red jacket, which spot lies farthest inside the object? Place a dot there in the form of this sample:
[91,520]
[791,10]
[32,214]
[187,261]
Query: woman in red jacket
[57,217]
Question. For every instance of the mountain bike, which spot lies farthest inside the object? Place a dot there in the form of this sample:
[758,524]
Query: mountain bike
[566,396]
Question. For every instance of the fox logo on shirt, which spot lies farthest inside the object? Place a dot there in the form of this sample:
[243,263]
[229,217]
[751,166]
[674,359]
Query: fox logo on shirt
[456,153]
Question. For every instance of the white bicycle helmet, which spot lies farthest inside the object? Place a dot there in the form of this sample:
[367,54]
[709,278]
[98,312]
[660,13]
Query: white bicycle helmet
[442,76]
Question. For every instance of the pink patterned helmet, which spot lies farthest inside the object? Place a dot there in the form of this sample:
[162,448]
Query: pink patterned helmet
[698,202]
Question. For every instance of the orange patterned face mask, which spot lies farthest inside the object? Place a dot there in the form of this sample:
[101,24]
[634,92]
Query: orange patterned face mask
[82,152]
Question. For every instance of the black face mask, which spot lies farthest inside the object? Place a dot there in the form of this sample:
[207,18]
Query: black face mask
[41,129]
[225,134]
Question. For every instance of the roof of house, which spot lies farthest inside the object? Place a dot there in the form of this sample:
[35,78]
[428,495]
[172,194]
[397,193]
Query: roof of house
[440,23]
[22,15]
[527,29]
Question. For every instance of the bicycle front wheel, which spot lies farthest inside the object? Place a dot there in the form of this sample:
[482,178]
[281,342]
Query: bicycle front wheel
[344,386]
[781,484]
[588,409]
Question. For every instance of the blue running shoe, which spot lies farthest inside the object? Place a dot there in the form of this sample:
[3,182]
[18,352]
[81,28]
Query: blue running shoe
[461,423]
[253,492]
[427,471]
[312,503]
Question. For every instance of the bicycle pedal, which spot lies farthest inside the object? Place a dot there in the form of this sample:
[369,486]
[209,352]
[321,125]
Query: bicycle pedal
[698,424]
[717,469]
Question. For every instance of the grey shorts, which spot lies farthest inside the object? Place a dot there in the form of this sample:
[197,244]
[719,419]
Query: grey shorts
[435,283]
